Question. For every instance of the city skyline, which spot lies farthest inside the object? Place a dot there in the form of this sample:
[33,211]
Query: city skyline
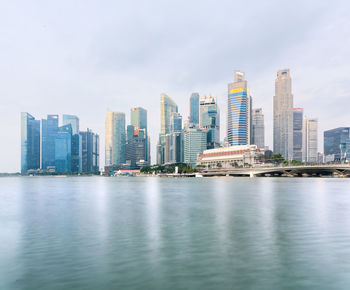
[80,69]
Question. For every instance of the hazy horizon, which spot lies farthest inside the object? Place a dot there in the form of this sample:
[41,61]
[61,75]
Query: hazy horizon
[85,57]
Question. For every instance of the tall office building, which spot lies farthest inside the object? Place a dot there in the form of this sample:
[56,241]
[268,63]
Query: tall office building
[30,143]
[194,108]
[209,119]
[238,111]
[175,122]
[138,118]
[337,144]
[298,117]
[258,128]
[76,141]
[115,139]
[63,149]
[283,115]
[49,128]
[310,139]
[90,151]
[73,120]
[136,147]
[195,142]
[167,107]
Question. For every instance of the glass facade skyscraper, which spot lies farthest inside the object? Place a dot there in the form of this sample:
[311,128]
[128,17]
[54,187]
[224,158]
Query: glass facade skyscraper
[90,144]
[73,120]
[195,142]
[194,108]
[115,139]
[298,117]
[76,141]
[30,143]
[283,115]
[63,149]
[138,117]
[49,128]
[167,107]
[238,111]
[337,143]
[310,130]
[209,119]
[258,128]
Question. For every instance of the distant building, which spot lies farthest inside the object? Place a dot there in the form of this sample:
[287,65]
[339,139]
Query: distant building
[310,132]
[63,149]
[90,151]
[209,119]
[337,144]
[195,142]
[298,117]
[30,143]
[258,128]
[115,139]
[175,122]
[232,156]
[76,141]
[49,128]
[238,111]
[138,118]
[194,108]
[136,147]
[167,107]
[283,115]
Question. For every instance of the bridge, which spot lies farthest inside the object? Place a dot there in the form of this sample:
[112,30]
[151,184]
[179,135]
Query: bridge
[340,170]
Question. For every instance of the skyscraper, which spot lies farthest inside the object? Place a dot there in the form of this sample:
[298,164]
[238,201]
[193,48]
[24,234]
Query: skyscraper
[238,111]
[195,142]
[283,115]
[175,122]
[63,149]
[194,108]
[167,107]
[73,120]
[337,144]
[49,128]
[209,119]
[30,143]
[90,151]
[138,118]
[76,141]
[115,139]
[298,116]
[258,128]
[310,139]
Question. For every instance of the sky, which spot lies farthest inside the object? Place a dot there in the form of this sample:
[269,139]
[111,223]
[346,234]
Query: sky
[87,57]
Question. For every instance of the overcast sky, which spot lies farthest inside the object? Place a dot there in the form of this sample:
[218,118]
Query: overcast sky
[84,57]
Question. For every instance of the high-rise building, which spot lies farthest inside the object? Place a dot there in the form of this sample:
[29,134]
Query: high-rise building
[209,119]
[138,118]
[90,151]
[310,139]
[136,147]
[298,117]
[167,107]
[115,139]
[175,122]
[238,111]
[195,142]
[49,128]
[337,144]
[63,149]
[283,115]
[258,128]
[194,108]
[30,143]
[76,141]
[73,120]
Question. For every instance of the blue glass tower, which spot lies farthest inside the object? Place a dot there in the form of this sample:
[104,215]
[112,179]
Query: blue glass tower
[238,111]
[30,143]
[194,108]
[49,129]
[76,141]
[63,149]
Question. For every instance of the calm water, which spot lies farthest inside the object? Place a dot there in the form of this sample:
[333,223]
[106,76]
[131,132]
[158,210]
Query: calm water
[158,233]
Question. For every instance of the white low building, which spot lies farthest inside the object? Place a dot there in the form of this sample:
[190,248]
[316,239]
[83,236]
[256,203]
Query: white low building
[232,156]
